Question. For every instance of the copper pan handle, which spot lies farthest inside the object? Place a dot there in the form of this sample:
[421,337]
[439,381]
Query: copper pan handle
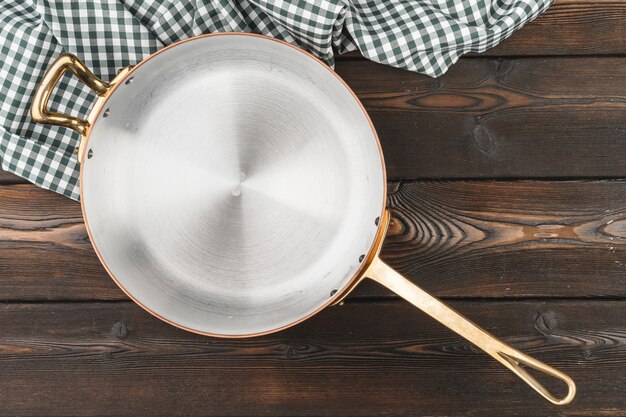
[39,110]
[503,353]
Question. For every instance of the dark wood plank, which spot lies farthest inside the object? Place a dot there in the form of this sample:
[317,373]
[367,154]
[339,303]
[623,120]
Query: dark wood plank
[45,251]
[457,239]
[500,239]
[360,359]
[505,118]
[571,27]
[8,178]
[568,27]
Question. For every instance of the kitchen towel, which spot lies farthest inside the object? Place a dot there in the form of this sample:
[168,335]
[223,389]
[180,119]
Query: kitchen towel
[425,36]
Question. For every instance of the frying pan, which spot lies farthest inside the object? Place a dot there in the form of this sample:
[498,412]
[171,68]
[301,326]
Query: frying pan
[233,185]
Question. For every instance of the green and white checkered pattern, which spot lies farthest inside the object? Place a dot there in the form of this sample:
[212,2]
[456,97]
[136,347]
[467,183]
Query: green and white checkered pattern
[425,36]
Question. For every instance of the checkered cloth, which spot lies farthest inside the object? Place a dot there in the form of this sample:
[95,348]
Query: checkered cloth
[425,36]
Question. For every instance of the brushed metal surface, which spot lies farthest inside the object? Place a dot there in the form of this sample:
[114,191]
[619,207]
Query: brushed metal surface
[233,185]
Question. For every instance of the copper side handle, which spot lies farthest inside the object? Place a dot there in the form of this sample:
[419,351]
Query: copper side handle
[503,353]
[39,110]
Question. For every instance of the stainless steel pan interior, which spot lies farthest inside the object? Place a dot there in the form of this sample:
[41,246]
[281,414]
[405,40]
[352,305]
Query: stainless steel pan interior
[233,186]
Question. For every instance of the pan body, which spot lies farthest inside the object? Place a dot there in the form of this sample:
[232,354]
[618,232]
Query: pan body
[232,185]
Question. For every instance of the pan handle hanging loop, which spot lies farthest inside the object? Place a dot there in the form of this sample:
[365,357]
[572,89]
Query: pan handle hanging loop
[65,62]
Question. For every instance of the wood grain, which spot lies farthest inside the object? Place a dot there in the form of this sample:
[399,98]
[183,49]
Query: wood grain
[568,27]
[522,238]
[360,359]
[45,251]
[498,118]
[456,238]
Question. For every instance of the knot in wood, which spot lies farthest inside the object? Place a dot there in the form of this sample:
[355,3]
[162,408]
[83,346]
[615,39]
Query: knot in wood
[120,330]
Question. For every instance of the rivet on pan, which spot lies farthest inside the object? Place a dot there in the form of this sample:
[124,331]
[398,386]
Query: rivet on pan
[130,80]
[106,113]
[377,221]
[333,292]
[361,258]
[89,154]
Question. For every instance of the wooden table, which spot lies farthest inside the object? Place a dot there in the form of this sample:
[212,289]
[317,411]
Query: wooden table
[509,201]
